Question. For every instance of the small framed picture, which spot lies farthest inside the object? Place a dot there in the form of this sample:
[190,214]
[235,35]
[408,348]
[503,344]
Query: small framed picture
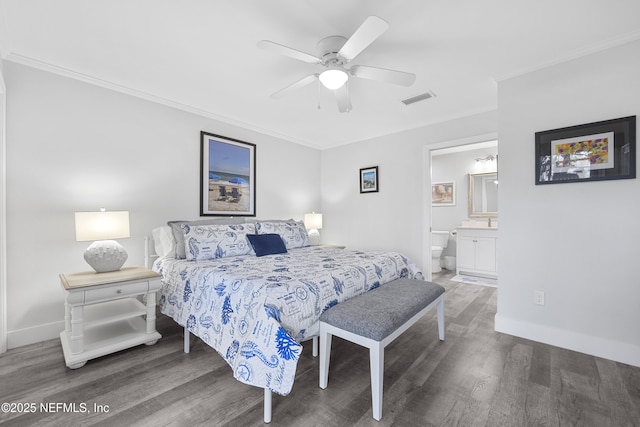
[369,180]
[443,193]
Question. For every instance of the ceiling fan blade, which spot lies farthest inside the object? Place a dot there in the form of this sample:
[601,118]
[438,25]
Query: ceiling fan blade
[371,29]
[300,83]
[288,51]
[342,97]
[383,75]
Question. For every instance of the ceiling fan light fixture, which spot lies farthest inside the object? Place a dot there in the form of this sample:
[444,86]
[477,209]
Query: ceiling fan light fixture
[333,78]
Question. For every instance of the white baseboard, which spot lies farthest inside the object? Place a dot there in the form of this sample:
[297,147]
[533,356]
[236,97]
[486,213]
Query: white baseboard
[588,344]
[34,334]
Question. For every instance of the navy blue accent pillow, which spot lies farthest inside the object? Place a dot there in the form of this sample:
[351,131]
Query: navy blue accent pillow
[267,244]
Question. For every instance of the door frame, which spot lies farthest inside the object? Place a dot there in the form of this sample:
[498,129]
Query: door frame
[3,215]
[426,179]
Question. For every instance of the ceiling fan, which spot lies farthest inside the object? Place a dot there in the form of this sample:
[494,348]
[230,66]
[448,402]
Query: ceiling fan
[334,53]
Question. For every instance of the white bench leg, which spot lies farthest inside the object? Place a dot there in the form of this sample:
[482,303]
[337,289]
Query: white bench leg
[187,335]
[325,355]
[376,356]
[315,346]
[267,405]
[440,314]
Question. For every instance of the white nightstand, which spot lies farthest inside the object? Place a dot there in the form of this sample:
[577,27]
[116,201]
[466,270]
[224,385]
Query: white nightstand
[103,314]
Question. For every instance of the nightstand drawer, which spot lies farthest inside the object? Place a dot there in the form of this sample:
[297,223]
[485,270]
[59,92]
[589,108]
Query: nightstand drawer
[115,291]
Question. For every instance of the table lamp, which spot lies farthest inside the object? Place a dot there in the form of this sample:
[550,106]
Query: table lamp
[104,254]
[313,223]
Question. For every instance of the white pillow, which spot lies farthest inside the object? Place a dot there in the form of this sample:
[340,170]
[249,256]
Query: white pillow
[293,233]
[216,241]
[163,241]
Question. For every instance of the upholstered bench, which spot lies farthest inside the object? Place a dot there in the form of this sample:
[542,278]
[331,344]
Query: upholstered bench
[376,318]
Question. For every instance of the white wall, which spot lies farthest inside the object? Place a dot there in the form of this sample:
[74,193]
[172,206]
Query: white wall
[577,242]
[72,146]
[395,217]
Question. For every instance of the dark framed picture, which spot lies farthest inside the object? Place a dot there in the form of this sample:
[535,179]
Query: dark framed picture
[227,176]
[369,180]
[591,152]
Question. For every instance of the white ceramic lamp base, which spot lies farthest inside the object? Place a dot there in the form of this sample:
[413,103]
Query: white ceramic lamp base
[314,237]
[105,255]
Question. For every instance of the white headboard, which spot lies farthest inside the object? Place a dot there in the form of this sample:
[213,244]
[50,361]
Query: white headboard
[149,252]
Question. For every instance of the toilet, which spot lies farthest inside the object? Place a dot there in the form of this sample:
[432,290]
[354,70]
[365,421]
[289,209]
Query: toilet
[439,241]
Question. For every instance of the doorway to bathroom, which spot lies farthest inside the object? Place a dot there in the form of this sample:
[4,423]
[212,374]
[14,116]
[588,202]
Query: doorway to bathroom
[463,182]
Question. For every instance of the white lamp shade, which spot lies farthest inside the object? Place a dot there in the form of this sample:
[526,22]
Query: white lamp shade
[313,221]
[333,78]
[102,225]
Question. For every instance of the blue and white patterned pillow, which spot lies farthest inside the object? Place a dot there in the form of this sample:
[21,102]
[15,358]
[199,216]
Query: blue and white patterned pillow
[178,234]
[293,233]
[216,241]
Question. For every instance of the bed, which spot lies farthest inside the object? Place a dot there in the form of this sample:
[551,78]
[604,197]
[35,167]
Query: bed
[255,291]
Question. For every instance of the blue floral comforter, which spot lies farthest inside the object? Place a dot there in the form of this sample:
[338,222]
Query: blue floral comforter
[255,311]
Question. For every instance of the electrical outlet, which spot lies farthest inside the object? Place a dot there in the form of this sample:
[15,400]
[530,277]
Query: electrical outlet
[538,297]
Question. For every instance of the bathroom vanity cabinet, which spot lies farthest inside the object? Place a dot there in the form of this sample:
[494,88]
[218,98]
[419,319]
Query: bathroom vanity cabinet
[476,251]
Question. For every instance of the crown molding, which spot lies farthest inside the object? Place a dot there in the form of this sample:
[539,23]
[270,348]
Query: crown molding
[106,84]
[578,53]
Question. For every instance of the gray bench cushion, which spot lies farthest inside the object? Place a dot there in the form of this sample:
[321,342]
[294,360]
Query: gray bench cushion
[378,313]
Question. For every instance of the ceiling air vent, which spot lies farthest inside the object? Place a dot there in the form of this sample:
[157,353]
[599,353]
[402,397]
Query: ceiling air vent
[418,98]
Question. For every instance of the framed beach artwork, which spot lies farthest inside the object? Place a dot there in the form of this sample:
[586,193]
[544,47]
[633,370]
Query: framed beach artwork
[369,180]
[227,176]
[597,151]
[443,193]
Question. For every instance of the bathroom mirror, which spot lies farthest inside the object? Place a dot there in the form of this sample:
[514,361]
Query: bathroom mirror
[483,195]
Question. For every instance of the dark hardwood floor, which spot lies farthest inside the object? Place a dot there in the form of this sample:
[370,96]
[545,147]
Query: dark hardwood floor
[476,377]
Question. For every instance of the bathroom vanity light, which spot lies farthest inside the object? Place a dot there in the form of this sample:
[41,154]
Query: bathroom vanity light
[489,158]
[104,254]
[488,163]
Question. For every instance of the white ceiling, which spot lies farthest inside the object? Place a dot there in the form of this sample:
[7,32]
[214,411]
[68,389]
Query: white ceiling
[201,55]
